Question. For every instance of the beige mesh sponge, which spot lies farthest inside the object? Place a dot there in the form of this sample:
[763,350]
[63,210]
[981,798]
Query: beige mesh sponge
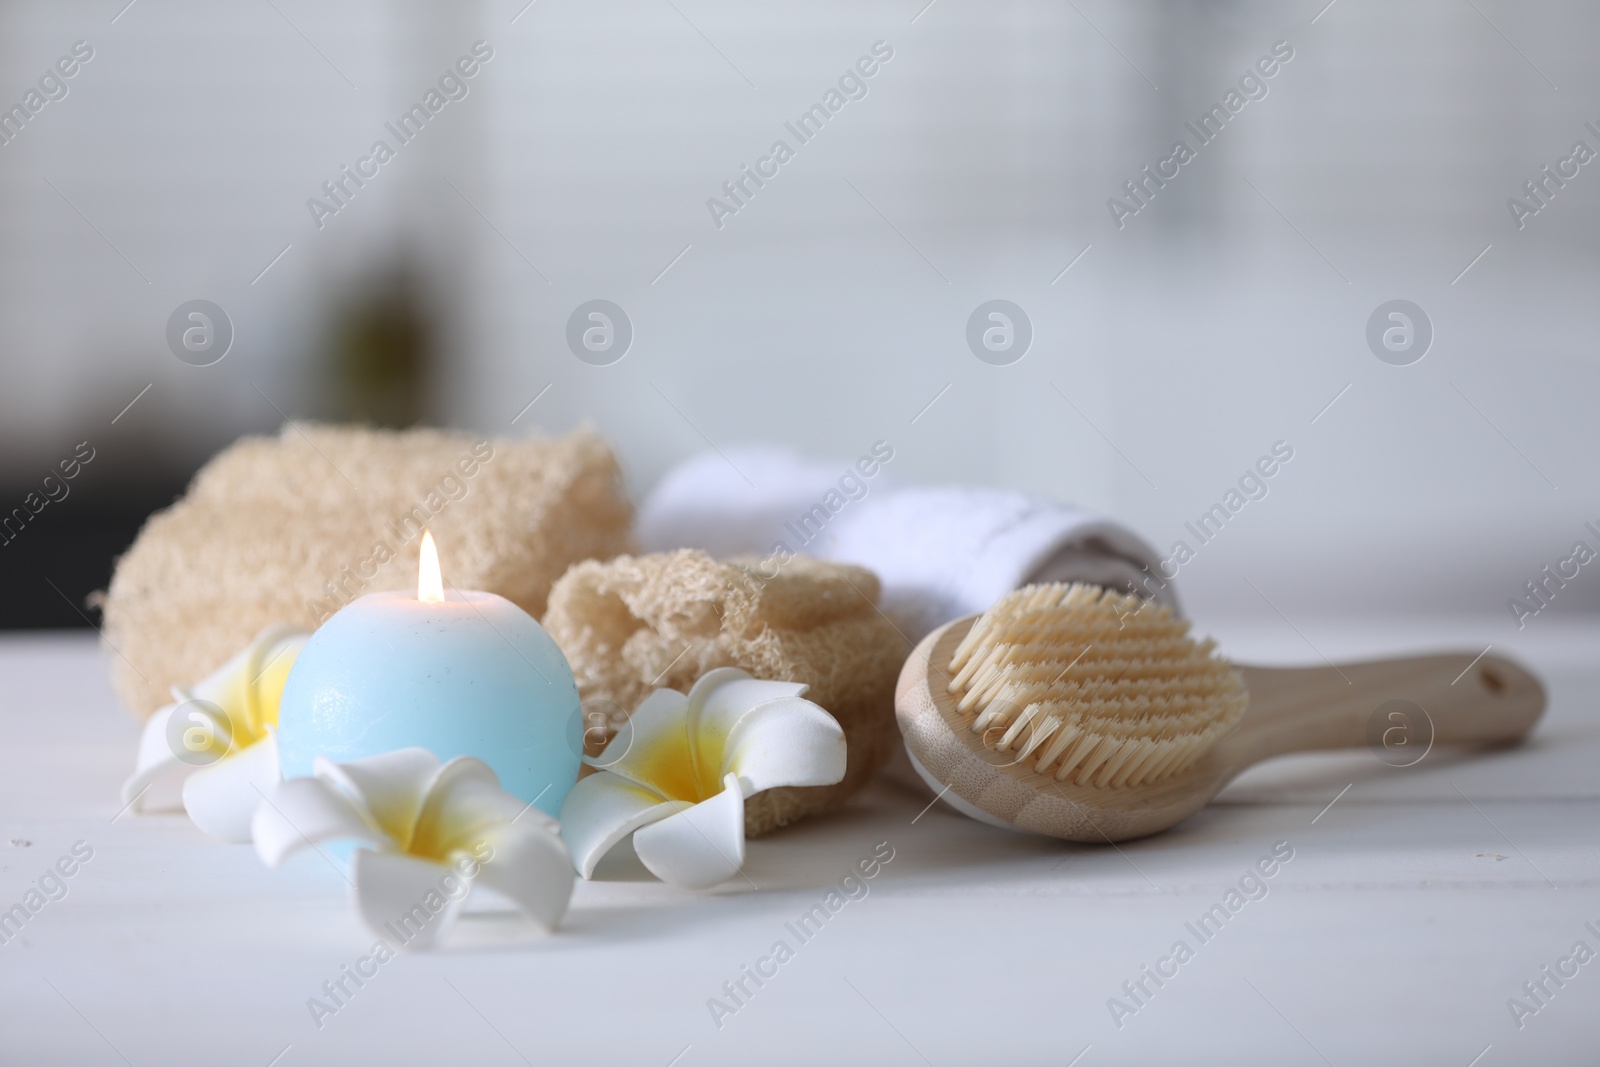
[637,623]
[287,529]
[1091,687]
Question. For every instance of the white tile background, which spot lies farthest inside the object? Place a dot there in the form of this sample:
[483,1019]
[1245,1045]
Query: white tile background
[831,310]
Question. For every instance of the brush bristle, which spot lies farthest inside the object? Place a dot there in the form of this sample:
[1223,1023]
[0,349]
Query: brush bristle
[1097,688]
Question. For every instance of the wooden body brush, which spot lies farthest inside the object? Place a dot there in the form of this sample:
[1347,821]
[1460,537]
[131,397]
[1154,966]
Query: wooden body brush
[1080,713]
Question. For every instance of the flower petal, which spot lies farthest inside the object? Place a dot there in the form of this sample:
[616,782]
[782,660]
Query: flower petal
[464,800]
[222,798]
[249,685]
[390,787]
[303,812]
[652,748]
[604,808]
[723,696]
[789,741]
[156,783]
[531,867]
[718,701]
[406,898]
[698,847]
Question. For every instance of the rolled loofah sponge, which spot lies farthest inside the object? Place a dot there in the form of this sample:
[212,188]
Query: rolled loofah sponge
[288,529]
[638,623]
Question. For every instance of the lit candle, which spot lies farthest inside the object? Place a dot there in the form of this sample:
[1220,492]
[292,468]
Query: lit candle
[460,674]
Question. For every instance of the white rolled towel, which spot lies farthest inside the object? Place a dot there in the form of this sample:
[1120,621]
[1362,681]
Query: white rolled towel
[941,552]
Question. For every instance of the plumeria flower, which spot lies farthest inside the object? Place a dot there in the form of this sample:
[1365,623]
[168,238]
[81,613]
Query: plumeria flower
[431,832]
[687,763]
[214,750]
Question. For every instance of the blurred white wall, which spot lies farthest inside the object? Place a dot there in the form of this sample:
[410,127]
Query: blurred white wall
[831,309]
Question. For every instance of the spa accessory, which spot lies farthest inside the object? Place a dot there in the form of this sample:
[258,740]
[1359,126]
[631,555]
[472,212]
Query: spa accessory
[291,528]
[459,673]
[940,552]
[677,775]
[213,750]
[431,833]
[636,623]
[1076,712]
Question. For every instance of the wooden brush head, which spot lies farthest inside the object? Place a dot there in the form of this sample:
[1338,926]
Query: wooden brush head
[1092,687]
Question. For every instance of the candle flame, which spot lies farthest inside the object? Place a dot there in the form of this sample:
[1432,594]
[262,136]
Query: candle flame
[430,584]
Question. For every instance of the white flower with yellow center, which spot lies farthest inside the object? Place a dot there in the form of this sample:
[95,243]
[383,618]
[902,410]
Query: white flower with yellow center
[685,767]
[431,833]
[214,750]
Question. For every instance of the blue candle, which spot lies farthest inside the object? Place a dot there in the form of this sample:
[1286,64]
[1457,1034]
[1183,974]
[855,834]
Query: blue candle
[463,674]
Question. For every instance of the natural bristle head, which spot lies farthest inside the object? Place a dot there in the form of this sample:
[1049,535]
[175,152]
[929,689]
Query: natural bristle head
[1093,687]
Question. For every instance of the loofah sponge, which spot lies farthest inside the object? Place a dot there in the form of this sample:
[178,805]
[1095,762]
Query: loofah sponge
[288,529]
[638,623]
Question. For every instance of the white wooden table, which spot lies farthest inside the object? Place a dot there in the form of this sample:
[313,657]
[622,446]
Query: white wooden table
[1413,908]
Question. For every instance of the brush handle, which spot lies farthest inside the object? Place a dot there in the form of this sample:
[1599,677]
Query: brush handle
[1492,701]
